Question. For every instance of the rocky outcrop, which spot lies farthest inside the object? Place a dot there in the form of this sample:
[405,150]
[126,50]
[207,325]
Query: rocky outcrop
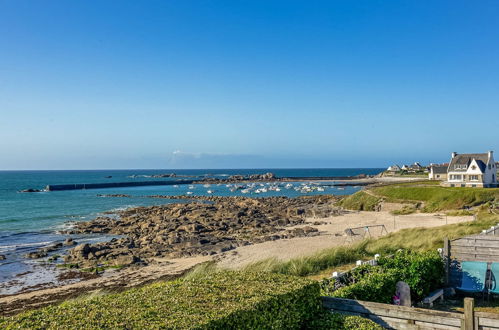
[209,226]
[69,242]
[43,252]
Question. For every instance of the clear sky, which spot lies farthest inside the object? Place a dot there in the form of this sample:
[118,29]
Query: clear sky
[193,84]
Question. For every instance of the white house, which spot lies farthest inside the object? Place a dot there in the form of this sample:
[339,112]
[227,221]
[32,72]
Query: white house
[416,167]
[394,168]
[472,170]
[438,172]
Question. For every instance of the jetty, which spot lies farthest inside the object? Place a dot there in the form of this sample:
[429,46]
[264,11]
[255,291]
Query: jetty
[82,186]
[268,177]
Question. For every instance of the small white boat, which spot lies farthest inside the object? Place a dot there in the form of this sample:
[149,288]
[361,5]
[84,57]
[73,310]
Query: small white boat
[189,193]
[210,192]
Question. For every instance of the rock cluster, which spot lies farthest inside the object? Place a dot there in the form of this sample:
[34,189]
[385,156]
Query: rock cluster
[253,177]
[210,226]
[43,252]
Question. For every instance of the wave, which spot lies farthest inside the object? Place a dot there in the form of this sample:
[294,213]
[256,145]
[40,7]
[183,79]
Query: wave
[23,245]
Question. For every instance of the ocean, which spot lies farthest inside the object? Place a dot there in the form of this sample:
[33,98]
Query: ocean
[32,220]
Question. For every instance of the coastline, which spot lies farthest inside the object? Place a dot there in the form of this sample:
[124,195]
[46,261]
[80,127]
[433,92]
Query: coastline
[312,231]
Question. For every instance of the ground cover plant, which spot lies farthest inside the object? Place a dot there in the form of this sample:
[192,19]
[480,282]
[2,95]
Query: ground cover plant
[220,300]
[422,271]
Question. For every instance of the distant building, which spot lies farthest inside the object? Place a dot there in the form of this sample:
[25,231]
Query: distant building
[472,170]
[394,168]
[416,166]
[405,167]
[438,172]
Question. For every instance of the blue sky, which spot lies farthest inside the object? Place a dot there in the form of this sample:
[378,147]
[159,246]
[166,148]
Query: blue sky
[194,84]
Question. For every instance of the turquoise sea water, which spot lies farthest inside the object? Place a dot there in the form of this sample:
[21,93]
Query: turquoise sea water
[31,220]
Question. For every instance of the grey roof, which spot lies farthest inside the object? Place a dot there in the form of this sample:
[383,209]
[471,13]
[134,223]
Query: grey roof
[439,169]
[465,159]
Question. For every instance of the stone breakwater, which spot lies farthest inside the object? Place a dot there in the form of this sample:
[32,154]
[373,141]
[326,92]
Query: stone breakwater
[209,226]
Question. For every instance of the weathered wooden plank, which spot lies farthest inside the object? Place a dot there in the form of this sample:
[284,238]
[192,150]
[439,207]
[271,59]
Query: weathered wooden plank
[401,312]
[475,257]
[469,317]
[492,323]
[479,242]
[475,249]
[426,325]
[486,315]
[384,321]
[394,323]
[477,237]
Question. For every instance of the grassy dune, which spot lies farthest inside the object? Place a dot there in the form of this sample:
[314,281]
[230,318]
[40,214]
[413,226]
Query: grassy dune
[433,197]
[436,198]
[360,201]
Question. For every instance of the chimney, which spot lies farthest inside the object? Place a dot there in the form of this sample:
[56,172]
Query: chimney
[454,154]
[490,154]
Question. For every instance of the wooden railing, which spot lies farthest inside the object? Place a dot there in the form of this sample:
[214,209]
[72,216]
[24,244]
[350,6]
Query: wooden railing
[402,317]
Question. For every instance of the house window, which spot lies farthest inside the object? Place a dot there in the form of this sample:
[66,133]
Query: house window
[473,185]
[463,185]
[457,177]
[490,166]
[473,167]
[473,177]
[460,166]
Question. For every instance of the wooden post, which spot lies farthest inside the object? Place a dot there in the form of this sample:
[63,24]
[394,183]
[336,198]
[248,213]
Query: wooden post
[469,314]
[446,254]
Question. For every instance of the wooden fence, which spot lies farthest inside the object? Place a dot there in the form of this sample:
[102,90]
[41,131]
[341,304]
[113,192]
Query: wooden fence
[482,247]
[401,317]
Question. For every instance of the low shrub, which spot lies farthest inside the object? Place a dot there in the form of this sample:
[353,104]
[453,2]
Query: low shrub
[423,272]
[377,285]
[222,300]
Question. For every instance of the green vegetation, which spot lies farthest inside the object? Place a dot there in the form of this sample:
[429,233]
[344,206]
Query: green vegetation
[436,198]
[416,239]
[422,271]
[360,201]
[433,197]
[406,209]
[219,301]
